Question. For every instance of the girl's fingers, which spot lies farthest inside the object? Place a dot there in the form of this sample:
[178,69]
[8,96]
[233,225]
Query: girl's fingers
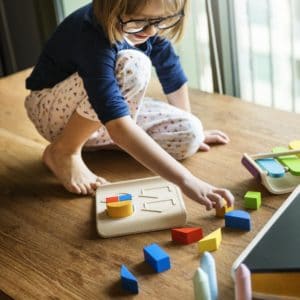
[204,147]
[207,203]
[216,136]
[216,199]
[217,132]
[216,139]
[226,194]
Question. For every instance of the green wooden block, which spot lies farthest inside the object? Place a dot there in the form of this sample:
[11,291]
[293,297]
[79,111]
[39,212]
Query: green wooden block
[252,200]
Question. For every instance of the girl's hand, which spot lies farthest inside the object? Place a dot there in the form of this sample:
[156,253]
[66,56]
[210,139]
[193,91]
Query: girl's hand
[213,137]
[206,194]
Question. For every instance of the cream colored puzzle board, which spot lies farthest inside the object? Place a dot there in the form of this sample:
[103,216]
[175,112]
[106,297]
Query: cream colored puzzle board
[158,204]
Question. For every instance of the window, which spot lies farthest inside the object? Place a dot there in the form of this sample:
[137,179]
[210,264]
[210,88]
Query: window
[194,49]
[69,6]
[268,48]
[251,46]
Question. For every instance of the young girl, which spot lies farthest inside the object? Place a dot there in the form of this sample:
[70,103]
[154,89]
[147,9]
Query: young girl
[87,90]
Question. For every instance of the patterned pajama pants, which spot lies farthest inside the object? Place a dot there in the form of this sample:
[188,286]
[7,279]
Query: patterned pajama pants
[178,132]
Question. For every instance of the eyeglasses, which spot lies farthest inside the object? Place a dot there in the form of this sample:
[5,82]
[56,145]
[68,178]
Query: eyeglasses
[139,25]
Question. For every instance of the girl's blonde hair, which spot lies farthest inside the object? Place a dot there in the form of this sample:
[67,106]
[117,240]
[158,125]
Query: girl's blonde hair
[108,12]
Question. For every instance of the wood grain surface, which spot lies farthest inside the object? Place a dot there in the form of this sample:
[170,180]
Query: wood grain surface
[49,247]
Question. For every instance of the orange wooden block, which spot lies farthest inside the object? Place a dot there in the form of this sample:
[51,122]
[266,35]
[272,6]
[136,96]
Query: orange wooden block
[220,212]
[186,235]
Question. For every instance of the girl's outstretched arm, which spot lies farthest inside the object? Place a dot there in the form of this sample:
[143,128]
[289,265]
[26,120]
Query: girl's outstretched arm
[131,138]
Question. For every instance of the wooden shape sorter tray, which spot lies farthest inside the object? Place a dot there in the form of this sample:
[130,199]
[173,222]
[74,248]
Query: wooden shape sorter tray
[157,203]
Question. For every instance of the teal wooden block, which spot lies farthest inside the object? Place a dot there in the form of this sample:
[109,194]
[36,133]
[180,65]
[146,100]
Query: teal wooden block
[207,264]
[272,166]
[201,285]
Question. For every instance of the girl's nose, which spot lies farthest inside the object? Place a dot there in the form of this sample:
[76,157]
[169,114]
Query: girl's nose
[150,30]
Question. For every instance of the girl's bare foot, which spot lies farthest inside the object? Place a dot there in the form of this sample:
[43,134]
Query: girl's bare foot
[71,170]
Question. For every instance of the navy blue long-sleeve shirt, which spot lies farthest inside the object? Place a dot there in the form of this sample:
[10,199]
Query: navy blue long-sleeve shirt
[80,45]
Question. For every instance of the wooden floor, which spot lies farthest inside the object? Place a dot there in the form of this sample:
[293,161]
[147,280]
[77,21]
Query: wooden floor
[49,248]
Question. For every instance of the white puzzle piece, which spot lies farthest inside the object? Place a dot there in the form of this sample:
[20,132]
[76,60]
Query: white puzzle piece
[158,204]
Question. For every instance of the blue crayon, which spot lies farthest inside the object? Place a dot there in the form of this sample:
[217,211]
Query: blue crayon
[207,264]
[201,285]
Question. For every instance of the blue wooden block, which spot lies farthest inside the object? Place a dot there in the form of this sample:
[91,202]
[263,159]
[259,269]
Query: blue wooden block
[238,219]
[125,197]
[129,282]
[157,258]
[272,166]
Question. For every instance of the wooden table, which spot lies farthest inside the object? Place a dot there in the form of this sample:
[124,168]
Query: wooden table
[49,247]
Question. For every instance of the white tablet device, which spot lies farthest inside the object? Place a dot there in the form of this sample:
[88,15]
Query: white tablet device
[157,204]
[273,257]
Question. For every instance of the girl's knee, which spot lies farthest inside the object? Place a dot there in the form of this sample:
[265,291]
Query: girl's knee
[186,142]
[133,70]
[195,136]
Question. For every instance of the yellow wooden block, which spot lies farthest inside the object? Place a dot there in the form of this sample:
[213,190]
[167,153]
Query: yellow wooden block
[220,212]
[210,242]
[119,209]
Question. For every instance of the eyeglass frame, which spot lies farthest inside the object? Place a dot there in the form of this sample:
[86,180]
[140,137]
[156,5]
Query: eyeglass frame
[151,22]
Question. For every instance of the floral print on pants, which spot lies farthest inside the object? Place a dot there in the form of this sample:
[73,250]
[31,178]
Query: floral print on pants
[178,132]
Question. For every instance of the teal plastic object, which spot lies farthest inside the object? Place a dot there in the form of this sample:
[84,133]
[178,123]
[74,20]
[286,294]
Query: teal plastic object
[207,264]
[201,285]
[272,166]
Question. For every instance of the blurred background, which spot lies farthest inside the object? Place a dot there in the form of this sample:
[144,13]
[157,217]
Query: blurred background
[244,48]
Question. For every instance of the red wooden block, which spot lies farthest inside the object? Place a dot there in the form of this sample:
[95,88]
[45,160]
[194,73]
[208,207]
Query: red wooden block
[112,199]
[187,235]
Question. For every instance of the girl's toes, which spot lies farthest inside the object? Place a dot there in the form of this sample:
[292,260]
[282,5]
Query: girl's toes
[73,188]
[101,180]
